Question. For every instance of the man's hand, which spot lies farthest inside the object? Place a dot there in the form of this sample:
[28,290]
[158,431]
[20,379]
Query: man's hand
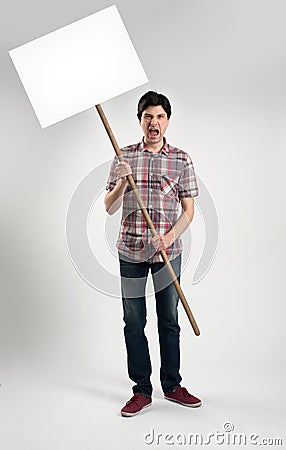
[162,241]
[123,169]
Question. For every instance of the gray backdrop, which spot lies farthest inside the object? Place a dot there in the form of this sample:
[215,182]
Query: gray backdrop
[63,365]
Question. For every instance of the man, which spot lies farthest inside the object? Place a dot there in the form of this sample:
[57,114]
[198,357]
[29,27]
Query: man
[165,179]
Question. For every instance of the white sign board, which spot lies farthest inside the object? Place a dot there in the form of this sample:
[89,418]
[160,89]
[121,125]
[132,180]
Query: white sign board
[78,66]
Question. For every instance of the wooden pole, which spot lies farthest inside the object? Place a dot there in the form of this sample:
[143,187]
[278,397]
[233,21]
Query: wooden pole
[149,221]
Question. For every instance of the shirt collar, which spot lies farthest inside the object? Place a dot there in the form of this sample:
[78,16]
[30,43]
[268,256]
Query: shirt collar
[164,149]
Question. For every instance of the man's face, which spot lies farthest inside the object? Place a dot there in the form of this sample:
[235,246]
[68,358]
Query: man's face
[154,123]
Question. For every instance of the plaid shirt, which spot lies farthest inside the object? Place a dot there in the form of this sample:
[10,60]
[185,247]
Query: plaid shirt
[162,180]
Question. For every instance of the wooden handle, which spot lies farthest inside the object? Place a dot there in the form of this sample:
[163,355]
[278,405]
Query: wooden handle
[149,222]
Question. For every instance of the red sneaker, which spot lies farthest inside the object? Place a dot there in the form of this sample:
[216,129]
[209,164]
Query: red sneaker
[181,395]
[135,405]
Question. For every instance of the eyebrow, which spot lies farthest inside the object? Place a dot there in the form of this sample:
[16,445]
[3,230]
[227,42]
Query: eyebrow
[152,115]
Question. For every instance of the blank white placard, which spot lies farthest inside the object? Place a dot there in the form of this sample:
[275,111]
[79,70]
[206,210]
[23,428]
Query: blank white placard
[78,66]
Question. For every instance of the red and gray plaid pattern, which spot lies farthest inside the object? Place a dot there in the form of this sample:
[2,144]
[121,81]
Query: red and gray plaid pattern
[162,180]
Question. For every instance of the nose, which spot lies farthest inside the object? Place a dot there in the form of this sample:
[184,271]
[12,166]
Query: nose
[153,121]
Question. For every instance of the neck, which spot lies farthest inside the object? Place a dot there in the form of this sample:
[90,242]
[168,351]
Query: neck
[156,147]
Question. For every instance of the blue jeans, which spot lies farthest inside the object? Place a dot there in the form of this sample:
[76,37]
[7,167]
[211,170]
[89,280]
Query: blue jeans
[133,283]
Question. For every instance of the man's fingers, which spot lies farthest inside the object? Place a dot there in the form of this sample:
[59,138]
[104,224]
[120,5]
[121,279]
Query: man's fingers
[158,242]
[123,169]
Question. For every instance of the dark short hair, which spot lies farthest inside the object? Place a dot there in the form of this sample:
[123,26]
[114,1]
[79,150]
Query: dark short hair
[152,98]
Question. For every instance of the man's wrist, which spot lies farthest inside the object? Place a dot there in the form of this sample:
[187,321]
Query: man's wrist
[122,181]
[171,236]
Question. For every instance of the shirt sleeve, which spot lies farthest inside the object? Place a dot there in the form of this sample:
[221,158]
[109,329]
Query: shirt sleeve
[188,186]
[111,181]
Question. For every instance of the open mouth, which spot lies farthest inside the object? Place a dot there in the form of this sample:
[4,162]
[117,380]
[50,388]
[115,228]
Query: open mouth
[153,132]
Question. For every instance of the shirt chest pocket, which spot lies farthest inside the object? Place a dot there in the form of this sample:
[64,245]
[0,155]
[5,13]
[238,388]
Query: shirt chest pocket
[170,187]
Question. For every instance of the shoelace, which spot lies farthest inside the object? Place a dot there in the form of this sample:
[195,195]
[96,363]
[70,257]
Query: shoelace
[185,392]
[134,399]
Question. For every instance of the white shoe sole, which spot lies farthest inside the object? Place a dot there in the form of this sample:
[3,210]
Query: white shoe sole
[193,405]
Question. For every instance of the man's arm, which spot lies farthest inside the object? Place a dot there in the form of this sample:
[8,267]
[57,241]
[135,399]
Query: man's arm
[163,241]
[113,199]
